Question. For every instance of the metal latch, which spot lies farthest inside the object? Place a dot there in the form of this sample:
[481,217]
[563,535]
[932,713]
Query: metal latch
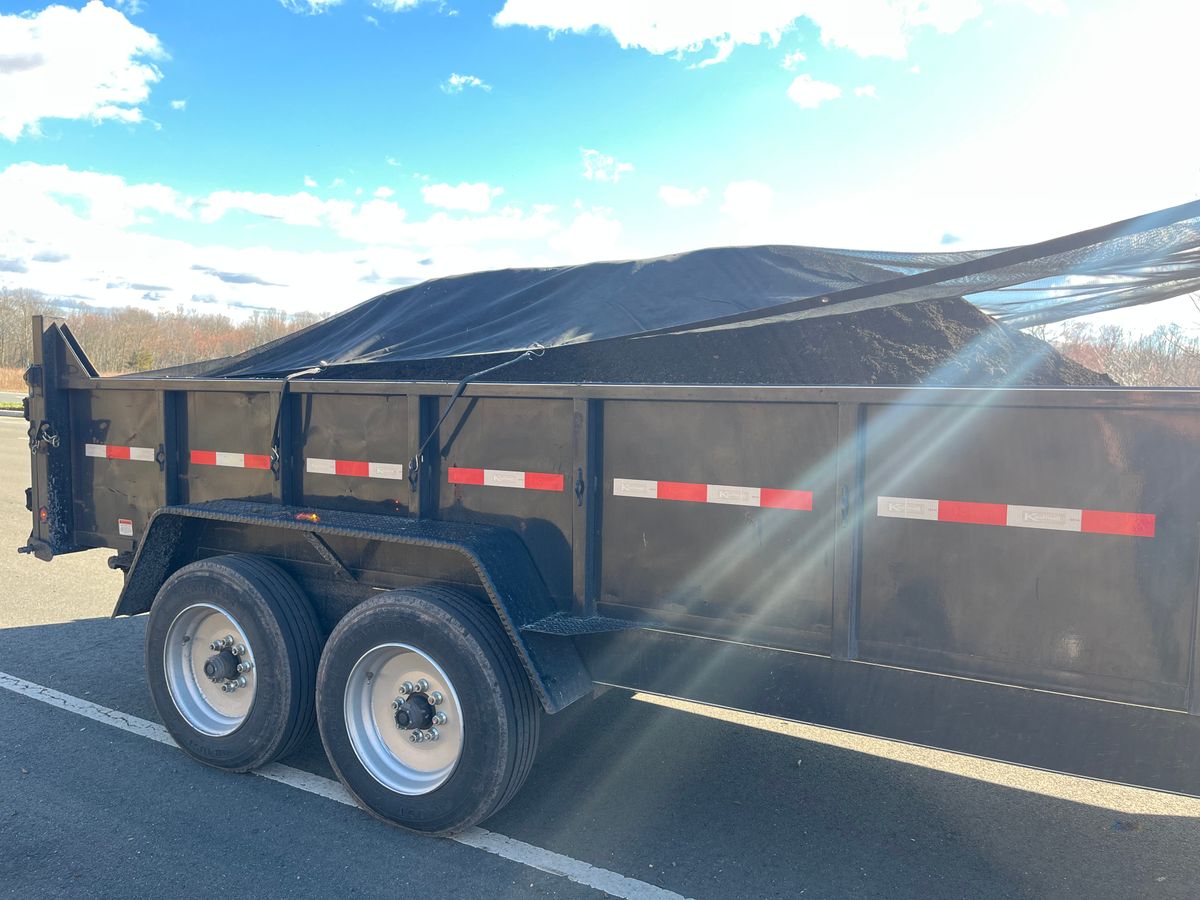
[43,434]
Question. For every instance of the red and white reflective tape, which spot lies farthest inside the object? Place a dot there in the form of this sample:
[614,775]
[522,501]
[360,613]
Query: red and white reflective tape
[530,481]
[1087,521]
[230,460]
[727,494]
[114,451]
[355,468]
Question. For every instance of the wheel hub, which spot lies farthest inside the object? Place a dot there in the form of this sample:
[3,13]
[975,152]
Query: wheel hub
[221,666]
[415,712]
[209,667]
[403,719]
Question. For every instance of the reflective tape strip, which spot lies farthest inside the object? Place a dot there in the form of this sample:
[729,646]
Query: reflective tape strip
[229,460]
[1052,518]
[530,481]
[724,494]
[115,451]
[354,468]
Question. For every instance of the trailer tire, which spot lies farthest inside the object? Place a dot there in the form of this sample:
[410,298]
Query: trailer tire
[486,745]
[268,615]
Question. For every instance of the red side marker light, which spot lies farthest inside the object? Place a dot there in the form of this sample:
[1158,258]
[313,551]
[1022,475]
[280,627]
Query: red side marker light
[307,517]
[43,514]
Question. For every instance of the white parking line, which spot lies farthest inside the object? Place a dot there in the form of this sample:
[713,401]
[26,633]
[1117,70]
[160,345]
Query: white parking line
[497,844]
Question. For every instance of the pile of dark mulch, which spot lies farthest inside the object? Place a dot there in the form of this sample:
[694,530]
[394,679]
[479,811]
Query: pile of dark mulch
[944,342]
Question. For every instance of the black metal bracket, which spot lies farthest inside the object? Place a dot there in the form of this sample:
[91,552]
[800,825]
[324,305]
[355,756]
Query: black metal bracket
[327,553]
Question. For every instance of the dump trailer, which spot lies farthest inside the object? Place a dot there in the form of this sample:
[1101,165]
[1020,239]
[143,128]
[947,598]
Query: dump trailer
[425,569]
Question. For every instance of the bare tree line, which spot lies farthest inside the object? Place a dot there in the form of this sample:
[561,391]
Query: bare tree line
[134,340]
[1168,356]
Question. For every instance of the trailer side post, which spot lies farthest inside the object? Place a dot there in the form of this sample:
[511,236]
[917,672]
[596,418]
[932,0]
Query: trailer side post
[422,413]
[851,451]
[1193,689]
[585,484]
[168,409]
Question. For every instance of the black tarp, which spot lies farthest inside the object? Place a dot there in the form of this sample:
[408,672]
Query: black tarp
[1136,261]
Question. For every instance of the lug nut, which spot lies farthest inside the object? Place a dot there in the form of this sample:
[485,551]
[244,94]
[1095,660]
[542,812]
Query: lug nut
[239,650]
[215,645]
[432,735]
[396,704]
[407,688]
[416,736]
[227,688]
[228,640]
[436,697]
[240,681]
[422,685]
[439,718]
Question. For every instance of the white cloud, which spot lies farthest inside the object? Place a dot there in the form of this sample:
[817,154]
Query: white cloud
[84,235]
[915,70]
[456,83]
[309,181]
[394,5]
[475,197]
[295,209]
[61,63]
[792,61]
[382,193]
[309,7]
[748,202]
[591,236]
[130,7]
[599,166]
[866,90]
[808,93]
[179,105]
[867,27]
[681,196]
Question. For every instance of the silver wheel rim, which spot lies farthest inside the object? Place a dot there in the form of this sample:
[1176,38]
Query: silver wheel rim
[201,701]
[387,751]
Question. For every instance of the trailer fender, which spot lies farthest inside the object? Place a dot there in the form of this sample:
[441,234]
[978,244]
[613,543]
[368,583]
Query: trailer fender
[499,558]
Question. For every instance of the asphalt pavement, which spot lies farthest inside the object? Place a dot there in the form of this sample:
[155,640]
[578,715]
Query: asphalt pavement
[682,797]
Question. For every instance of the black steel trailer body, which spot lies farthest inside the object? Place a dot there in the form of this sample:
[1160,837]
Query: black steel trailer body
[1012,573]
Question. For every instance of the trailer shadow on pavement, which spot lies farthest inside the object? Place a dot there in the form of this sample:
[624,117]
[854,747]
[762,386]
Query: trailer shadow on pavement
[720,805]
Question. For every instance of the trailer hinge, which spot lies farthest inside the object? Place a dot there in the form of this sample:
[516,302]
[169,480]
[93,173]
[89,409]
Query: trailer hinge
[580,488]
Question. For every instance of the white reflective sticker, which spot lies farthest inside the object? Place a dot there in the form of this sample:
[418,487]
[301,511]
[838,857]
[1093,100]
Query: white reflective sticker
[908,508]
[502,478]
[395,471]
[145,454]
[320,466]
[125,527]
[635,487]
[95,450]
[1045,517]
[734,495]
[234,460]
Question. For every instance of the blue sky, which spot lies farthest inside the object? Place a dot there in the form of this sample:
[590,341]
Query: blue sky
[307,154]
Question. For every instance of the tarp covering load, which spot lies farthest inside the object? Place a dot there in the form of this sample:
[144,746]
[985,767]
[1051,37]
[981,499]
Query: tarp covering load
[1124,264]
